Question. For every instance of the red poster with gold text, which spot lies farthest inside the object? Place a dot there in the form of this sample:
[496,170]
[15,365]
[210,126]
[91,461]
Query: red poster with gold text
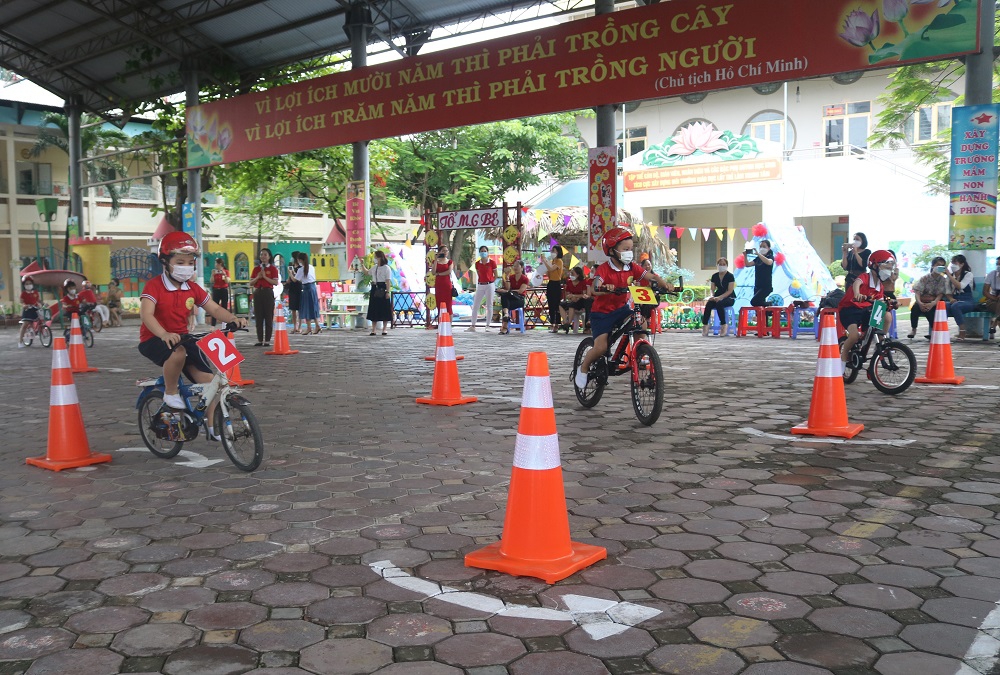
[603,202]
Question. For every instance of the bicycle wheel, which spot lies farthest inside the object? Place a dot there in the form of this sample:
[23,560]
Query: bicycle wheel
[893,369]
[850,369]
[45,336]
[647,389]
[591,394]
[88,337]
[147,416]
[97,322]
[28,337]
[241,441]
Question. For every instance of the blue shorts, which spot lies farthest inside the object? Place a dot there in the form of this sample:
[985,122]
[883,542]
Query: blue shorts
[29,314]
[602,323]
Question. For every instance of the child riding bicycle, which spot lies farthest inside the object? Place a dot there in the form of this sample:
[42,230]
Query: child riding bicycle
[610,308]
[165,304]
[856,307]
[31,302]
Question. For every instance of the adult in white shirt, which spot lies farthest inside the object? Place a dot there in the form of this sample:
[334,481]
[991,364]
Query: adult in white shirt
[960,278]
[309,303]
[380,298]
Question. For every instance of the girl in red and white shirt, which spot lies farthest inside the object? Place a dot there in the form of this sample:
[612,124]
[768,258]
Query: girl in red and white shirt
[576,297]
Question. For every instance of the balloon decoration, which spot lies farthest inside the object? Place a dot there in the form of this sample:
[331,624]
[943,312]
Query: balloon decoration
[759,230]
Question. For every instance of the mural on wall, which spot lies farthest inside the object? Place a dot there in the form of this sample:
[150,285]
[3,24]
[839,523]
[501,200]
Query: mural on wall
[700,142]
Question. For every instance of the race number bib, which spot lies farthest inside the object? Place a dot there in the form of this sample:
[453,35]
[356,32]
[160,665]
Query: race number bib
[878,314]
[643,295]
[220,350]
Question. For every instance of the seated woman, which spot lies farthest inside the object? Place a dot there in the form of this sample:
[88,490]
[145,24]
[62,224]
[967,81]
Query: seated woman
[576,297]
[990,302]
[723,295]
[963,286]
[927,291]
[512,294]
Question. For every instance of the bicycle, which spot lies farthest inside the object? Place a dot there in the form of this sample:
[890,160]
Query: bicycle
[37,327]
[95,318]
[634,355]
[86,329]
[891,368]
[165,430]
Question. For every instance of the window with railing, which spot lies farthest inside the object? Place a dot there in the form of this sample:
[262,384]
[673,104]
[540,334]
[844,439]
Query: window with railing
[34,178]
[769,125]
[927,122]
[631,141]
[846,125]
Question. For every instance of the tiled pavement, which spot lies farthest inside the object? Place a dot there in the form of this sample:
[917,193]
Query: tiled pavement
[761,554]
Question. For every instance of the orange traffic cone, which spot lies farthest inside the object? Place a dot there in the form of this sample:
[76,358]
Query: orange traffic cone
[77,350]
[446,389]
[535,540]
[281,347]
[68,447]
[445,318]
[940,369]
[235,376]
[828,410]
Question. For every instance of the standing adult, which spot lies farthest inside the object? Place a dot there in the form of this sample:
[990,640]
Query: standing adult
[486,276]
[294,289]
[512,294]
[990,301]
[263,279]
[763,265]
[115,303]
[220,285]
[442,281]
[855,258]
[380,297]
[309,302]
[723,295]
[927,291]
[553,289]
[963,286]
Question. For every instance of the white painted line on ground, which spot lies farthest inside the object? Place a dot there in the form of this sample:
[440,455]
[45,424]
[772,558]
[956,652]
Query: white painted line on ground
[195,459]
[808,439]
[954,388]
[598,617]
[981,656]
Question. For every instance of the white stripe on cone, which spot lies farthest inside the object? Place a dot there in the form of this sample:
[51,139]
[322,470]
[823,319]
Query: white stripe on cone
[828,336]
[829,368]
[279,325]
[444,328]
[940,337]
[60,359]
[537,392]
[74,322]
[446,353]
[76,338]
[63,394]
[537,453]
[941,316]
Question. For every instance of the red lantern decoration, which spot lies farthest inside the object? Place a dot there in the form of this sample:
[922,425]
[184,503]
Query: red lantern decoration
[760,230]
[779,258]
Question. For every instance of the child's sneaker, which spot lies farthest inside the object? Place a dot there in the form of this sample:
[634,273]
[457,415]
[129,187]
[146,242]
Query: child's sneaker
[581,379]
[173,401]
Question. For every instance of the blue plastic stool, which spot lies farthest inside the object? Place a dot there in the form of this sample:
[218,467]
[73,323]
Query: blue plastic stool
[519,324]
[730,321]
[797,320]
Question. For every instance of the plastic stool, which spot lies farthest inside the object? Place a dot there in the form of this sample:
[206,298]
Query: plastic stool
[656,321]
[743,326]
[797,321]
[776,314]
[519,324]
[730,320]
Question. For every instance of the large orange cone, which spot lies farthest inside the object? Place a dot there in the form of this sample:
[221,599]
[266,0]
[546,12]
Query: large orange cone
[828,410]
[235,376]
[281,347]
[446,389]
[443,318]
[77,350]
[535,540]
[940,369]
[68,447]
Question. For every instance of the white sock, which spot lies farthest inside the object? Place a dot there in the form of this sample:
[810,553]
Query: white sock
[174,401]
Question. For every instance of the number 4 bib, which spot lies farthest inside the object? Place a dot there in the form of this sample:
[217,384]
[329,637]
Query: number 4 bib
[878,314]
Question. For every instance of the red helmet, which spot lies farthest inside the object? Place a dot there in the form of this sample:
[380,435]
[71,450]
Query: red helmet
[613,237]
[879,257]
[178,242]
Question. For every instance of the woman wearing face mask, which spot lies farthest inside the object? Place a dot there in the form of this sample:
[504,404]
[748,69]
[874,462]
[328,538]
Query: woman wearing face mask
[220,285]
[380,298]
[763,266]
[31,301]
[263,279]
[442,281]
[723,295]
[294,289]
[855,260]
[486,276]
[512,294]
[115,303]
[575,299]
[963,286]
[990,302]
[309,302]
[553,289]
[927,291]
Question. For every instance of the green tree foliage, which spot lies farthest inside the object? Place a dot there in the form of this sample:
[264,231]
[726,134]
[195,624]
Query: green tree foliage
[923,259]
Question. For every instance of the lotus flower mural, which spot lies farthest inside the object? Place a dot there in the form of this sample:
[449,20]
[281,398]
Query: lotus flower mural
[700,140]
[207,139]
[934,28]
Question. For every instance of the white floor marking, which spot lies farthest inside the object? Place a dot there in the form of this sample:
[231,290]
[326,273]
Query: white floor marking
[195,459]
[959,388]
[982,653]
[811,439]
[598,617]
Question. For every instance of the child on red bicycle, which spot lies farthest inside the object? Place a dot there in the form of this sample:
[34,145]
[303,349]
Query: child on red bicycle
[611,309]
[856,307]
[165,304]
[31,302]
[69,304]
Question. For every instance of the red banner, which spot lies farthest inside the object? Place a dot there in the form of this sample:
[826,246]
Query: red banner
[662,50]
[355,221]
[603,203]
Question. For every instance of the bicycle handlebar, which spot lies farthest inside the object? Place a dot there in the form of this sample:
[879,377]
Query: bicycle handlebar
[230,328]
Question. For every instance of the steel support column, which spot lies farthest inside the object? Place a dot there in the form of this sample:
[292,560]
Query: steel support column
[358,27]
[193,98]
[606,136]
[73,112]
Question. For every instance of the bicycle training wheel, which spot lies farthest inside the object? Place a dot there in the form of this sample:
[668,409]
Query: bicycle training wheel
[147,417]
[591,394]
[850,370]
[893,369]
[242,441]
[28,337]
[97,323]
[647,388]
[45,336]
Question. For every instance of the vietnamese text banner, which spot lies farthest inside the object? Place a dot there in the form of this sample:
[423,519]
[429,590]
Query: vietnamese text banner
[460,220]
[661,50]
[694,175]
[355,225]
[972,219]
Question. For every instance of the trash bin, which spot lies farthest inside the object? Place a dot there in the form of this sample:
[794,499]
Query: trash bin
[242,303]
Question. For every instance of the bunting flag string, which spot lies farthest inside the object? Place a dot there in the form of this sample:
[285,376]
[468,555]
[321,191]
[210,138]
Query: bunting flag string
[680,231]
[706,232]
[666,232]
[693,231]
[745,231]
[718,232]
[731,232]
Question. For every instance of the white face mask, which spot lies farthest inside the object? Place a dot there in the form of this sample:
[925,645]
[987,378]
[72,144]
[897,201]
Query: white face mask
[857,243]
[182,272]
[30,287]
[72,294]
[953,268]
[626,256]
[764,250]
[723,269]
[884,274]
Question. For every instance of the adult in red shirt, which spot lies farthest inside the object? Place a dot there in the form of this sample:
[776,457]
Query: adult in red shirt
[512,294]
[576,298]
[855,307]
[442,280]
[220,285]
[263,279]
[486,276]
[30,302]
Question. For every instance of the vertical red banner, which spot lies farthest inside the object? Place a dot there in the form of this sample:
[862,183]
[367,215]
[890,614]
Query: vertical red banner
[603,201]
[356,244]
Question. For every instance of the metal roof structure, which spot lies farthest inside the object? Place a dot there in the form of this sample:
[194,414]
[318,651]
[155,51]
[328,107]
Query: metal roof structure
[111,53]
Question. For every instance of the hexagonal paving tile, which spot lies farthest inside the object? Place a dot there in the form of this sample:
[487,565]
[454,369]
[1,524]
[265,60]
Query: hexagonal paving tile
[210,660]
[855,622]
[226,616]
[732,631]
[479,649]
[154,639]
[695,660]
[830,651]
[281,635]
[768,606]
[877,596]
[348,656]
[406,630]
